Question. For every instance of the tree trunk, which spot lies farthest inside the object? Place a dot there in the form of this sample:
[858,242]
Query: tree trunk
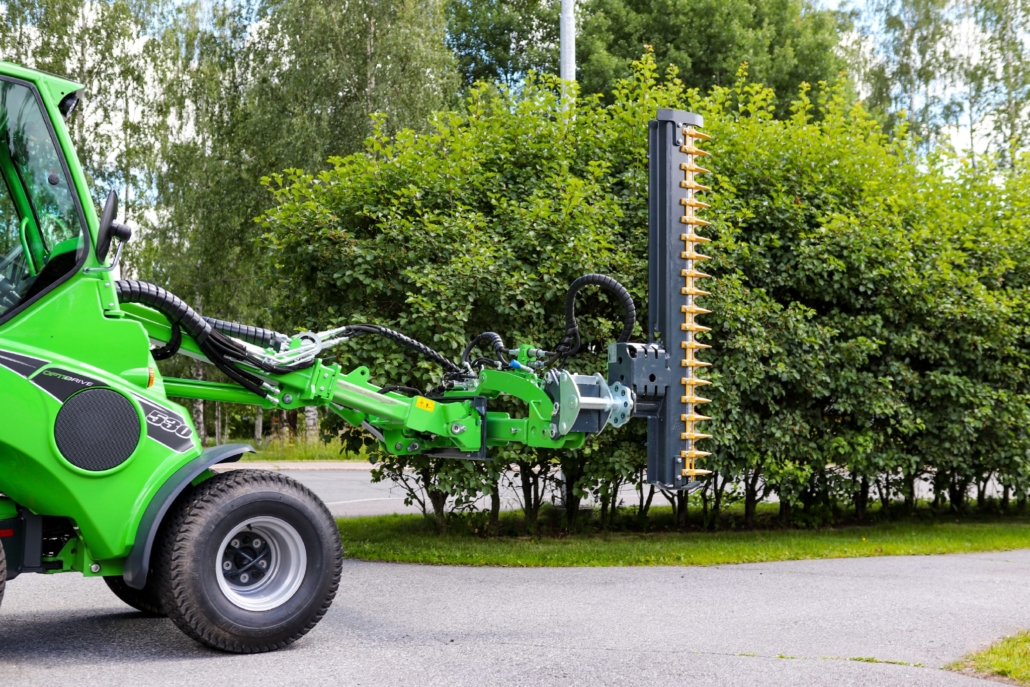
[981,491]
[645,504]
[751,497]
[910,493]
[718,489]
[1005,499]
[259,417]
[532,494]
[862,499]
[218,424]
[884,489]
[311,424]
[437,498]
[572,471]
[198,406]
[957,493]
[610,505]
[705,500]
[785,512]
[495,508]
[572,501]
[940,487]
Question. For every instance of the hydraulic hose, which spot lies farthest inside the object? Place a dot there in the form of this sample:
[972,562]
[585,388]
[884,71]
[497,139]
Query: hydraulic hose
[222,351]
[405,341]
[166,303]
[570,341]
[266,338]
[493,338]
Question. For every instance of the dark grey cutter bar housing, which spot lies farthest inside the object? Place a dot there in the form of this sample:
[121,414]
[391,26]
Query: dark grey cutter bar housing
[654,370]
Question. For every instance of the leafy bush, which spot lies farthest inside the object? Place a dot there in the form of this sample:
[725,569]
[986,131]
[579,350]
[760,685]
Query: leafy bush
[868,324]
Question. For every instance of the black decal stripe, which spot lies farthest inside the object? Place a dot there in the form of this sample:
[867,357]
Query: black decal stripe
[22,364]
[61,383]
[166,426]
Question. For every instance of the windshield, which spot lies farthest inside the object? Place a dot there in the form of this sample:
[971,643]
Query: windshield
[41,234]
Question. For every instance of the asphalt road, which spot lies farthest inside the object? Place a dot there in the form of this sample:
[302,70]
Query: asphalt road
[792,623]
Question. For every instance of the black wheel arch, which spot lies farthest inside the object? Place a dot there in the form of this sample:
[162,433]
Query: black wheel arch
[137,565]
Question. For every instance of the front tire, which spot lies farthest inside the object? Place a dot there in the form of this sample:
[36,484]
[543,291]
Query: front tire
[3,573]
[143,600]
[249,561]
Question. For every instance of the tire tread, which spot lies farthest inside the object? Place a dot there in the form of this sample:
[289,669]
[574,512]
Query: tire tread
[182,526]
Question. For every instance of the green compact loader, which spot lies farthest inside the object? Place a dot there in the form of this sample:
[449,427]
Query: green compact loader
[102,474]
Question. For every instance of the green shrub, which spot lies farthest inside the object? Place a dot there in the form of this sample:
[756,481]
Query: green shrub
[868,323]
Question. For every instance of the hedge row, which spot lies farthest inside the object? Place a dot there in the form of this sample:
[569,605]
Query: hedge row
[869,308]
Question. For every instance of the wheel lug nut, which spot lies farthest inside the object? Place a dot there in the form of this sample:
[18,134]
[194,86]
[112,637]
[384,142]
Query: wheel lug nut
[263,564]
[235,543]
[227,565]
[244,578]
[256,543]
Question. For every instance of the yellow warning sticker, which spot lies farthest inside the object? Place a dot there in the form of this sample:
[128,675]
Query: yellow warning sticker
[425,404]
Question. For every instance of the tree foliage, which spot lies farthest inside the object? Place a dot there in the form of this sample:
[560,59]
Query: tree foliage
[501,41]
[784,42]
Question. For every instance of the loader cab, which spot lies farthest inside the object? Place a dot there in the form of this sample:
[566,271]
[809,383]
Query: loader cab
[43,235]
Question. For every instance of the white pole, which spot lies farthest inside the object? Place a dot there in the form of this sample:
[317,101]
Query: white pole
[568,40]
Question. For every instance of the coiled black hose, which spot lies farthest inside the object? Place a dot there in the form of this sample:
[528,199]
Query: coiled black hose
[172,347]
[570,342]
[222,351]
[493,338]
[266,338]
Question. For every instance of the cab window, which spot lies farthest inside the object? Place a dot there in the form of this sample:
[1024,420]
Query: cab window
[41,233]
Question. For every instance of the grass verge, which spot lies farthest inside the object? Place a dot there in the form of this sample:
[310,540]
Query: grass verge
[1009,658]
[413,539]
[275,451]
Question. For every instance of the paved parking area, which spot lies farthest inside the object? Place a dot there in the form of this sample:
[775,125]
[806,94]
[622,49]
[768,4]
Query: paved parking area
[788,623]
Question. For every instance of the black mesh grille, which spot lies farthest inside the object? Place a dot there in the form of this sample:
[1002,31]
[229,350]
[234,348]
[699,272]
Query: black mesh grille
[97,429]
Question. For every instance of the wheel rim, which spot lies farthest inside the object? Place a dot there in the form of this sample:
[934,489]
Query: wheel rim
[261,564]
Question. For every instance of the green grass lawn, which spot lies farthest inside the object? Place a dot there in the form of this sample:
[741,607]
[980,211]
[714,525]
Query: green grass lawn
[1009,658]
[413,539]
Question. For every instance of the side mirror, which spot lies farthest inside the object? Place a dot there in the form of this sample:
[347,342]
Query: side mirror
[110,229]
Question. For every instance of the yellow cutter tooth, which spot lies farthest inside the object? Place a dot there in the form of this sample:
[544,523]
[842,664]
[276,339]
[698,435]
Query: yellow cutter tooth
[692,150]
[691,203]
[694,436]
[694,133]
[694,274]
[691,255]
[693,454]
[694,400]
[691,167]
[694,381]
[693,417]
[687,327]
[694,345]
[694,186]
[690,472]
[691,291]
[694,363]
[695,221]
[694,310]
[694,238]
